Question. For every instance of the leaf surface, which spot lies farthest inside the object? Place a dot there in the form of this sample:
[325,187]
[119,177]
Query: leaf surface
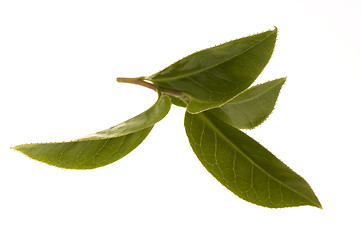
[215,75]
[252,106]
[244,166]
[101,148]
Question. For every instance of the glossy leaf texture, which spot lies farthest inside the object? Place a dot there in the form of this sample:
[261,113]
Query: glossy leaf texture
[252,106]
[244,166]
[213,76]
[101,148]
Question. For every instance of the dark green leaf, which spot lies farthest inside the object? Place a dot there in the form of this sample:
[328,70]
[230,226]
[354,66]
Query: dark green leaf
[103,147]
[213,76]
[252,106]
[244,166]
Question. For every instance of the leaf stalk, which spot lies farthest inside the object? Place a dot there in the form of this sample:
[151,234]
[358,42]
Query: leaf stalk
[141,82]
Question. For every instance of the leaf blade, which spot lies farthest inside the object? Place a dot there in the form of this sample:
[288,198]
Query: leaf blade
[213,76]
[252,106]
[101,148]
[87,154]
[244,166]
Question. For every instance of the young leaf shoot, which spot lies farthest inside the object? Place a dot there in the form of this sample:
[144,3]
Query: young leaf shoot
[213,86]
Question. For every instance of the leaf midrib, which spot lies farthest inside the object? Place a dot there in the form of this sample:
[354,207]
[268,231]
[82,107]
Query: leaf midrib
[212,125]
[212,66]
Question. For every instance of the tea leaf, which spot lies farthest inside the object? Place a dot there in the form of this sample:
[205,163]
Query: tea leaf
[213,76]
[212,85]
[252,106]
[244,166]
[101,148]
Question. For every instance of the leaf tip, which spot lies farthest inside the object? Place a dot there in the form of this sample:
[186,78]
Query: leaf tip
[281,81]
[22,148]
[16,147]
[318,204]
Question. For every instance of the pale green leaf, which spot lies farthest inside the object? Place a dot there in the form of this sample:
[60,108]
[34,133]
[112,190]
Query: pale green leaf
[252,106]
[244,166]
[103,147]
[213,76]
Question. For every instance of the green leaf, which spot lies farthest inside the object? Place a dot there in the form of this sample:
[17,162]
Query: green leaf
[244,166]
[252,106]
[213,76]
[101,148]
[178,101]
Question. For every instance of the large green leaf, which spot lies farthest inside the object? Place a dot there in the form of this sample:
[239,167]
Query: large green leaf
[213,76]
[244,166]
[252,106]
[103,147]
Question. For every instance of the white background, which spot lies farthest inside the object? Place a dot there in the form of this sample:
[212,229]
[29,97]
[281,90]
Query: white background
[58,65]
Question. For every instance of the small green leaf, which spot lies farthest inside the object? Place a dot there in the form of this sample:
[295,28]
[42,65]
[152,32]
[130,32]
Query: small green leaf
[213,76]
[178,101]
[101,148]
[244,166]
[252,106]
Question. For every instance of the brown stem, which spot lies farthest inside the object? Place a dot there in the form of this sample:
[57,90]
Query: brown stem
[140,82]
[137,82]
